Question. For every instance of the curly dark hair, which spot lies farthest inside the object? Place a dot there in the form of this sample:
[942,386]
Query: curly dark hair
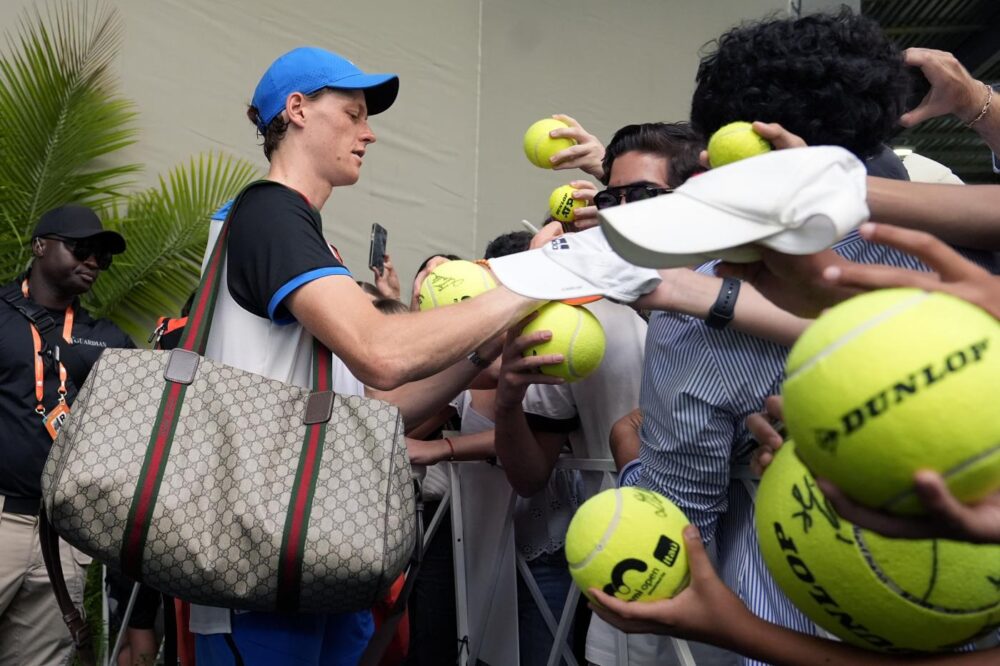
[833,79]
[678,142]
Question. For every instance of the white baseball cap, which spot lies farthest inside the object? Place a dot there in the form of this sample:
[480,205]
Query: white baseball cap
[577,265]
[796,201]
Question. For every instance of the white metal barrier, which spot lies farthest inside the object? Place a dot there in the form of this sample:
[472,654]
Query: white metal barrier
[505,564]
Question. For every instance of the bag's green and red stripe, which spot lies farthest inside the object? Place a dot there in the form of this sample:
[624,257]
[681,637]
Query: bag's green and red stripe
[160,440]
[304,489]
[146,491]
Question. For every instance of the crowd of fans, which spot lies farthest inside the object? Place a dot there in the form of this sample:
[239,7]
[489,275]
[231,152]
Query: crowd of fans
[680,401]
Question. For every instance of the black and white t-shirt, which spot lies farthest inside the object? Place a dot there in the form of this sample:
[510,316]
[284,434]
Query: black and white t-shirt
[276,245]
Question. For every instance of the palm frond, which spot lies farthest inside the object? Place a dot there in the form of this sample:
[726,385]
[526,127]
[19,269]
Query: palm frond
[61,114]
[166,228]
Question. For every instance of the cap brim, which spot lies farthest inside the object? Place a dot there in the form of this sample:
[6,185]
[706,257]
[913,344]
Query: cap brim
[798,200]
[112,239]
[532,274]
[380,89]
[676,230]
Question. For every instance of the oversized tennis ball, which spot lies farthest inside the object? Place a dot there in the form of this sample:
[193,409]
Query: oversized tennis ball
[454,281]
[539,146]
[562,205]
[734,142]
[874,592]
[894,381]
[576,334]
[628,543]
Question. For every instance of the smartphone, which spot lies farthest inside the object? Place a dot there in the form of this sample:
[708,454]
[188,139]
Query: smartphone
[376,249]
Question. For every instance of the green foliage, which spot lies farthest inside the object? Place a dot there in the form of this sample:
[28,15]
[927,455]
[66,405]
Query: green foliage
[166,230]
[93,609]
[61,121]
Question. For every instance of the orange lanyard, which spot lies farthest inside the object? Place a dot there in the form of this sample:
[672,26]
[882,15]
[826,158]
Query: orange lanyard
[40,364]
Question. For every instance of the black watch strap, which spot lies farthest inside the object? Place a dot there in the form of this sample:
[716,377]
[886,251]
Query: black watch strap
[722,312]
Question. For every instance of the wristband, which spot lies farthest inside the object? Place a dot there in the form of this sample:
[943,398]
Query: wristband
[722,312]
[451,446]
[477,360]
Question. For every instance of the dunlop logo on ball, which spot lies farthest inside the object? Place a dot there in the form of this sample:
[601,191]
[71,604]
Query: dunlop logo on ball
[916,382]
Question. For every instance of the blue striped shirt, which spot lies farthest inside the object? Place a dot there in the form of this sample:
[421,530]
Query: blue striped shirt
[698,387]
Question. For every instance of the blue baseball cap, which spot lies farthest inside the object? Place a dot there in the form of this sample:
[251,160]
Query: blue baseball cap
[308,69]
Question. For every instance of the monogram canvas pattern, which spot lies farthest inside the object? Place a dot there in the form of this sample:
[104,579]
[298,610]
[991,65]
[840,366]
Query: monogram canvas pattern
[219,519]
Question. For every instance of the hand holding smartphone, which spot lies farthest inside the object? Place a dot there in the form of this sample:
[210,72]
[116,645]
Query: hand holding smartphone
[376,248]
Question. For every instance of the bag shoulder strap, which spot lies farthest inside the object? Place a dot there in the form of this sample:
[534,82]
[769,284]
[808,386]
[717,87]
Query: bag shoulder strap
[199,319]
[78,628]
[195,338]
[76,367]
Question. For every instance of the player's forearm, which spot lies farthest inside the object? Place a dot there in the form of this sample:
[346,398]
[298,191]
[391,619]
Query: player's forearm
[685,291]
[421,399]
[965,215]
[417,345]
[387,351]
[523,459]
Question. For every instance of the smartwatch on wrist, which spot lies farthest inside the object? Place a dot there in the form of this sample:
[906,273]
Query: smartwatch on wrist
[725,304]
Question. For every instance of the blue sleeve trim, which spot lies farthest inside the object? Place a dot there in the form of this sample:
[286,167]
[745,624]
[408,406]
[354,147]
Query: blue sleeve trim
[223,211]
[294,284]
[629,474]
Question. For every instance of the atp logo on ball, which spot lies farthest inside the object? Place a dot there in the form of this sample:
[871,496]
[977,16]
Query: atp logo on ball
[666,552]
[565,209]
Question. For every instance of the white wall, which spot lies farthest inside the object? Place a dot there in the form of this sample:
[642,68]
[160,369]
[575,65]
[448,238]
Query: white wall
[447,173]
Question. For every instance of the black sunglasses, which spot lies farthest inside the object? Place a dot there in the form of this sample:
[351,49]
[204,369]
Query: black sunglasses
[85,248]
[613,195]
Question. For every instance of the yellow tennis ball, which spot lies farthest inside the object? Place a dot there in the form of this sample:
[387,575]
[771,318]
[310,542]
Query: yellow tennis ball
[874,592]
[734,142]
[539,146]
[562,205]
[892,382]
[576,334]
[627,542]
[452,282]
